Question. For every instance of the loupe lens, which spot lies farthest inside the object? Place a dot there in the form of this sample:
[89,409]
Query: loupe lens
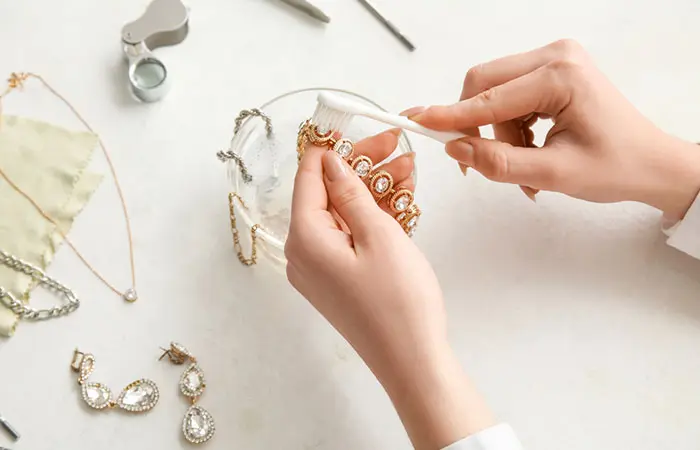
[149,73]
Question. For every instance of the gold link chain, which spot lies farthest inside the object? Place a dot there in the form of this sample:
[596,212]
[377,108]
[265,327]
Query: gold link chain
[236,235]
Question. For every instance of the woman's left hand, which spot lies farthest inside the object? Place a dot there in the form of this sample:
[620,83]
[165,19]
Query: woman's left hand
[378,290]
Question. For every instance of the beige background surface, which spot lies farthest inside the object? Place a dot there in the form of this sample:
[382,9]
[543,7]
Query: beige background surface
[576,320]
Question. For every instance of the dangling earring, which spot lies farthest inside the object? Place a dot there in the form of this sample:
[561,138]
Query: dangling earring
[198,424]
[139,396]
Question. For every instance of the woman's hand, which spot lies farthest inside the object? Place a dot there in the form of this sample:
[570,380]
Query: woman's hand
[600,147]
[378,290]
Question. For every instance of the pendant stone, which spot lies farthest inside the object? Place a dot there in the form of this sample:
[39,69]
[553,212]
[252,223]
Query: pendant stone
[198,425]
[96,395]
[192,382]
[140,396]
[130,295]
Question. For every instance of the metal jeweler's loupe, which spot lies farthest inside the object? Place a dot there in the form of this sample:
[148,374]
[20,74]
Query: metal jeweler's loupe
[165,22]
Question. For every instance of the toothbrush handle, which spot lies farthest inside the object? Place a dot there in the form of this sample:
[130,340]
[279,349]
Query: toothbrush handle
[407,124]
[440,136]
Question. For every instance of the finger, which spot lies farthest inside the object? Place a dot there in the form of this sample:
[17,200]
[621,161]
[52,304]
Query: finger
[380,146]
[350,197]
[541,91]
[502,70]
[510,132]
[500,161]
[499,71]
[518,134]
[401,167]
[530,192]
[309,190]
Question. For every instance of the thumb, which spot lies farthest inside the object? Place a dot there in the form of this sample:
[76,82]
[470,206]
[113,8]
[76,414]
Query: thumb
[503,162]
[349,196]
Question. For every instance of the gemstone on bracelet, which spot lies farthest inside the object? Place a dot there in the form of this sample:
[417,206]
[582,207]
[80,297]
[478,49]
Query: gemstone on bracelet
[381,185]
[363,168]
[402,203]
[344,148]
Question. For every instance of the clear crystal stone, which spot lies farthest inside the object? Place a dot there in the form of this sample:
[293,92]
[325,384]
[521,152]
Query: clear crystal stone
[139,396]
[97,395]
[402,203]
[193,380]
[362,168]
[412,223]
[130,295]
[198,425]
[400,217]
[344,149]
[381,185]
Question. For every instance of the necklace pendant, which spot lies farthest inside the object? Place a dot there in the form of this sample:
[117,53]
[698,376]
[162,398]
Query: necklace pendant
[130,295]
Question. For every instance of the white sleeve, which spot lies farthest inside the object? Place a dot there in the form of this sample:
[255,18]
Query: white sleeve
[685,235]
[498,437]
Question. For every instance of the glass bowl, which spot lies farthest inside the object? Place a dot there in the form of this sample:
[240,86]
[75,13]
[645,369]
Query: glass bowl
[271,161]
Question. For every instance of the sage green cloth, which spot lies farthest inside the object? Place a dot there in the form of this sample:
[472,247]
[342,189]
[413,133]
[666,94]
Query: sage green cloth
[48,163]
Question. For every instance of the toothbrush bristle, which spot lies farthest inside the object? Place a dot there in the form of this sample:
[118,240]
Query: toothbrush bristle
[327,118]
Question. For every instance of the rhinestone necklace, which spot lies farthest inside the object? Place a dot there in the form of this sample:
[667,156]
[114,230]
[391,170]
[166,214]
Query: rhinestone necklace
[17,81]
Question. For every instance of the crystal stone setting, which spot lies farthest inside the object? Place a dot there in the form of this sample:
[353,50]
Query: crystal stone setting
[344,148]
[97,395]
[139,396]
[198,425]
[192,381]
[181,349]
[381,184]
[362,166]
[87,365]
[130,295]
[401,201]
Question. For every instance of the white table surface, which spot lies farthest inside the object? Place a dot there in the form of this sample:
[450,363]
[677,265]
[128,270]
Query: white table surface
[579,324]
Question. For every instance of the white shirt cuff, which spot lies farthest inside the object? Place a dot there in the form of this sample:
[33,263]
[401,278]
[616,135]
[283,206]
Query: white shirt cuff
[498,437]
[685,235]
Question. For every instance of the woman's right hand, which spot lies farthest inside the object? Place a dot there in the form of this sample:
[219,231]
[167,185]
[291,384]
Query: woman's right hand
[600,148]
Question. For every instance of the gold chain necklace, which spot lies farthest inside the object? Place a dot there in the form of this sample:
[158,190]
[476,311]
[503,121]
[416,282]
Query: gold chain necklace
[16,81]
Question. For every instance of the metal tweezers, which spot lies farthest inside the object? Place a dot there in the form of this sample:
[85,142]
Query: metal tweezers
[306,7]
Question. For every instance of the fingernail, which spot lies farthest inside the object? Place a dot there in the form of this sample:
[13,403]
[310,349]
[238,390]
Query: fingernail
[529,192]
[461,151]
[395,131]
[413,112]
[335,168]
[463,168]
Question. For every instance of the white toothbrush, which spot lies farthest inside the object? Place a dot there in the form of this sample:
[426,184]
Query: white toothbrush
[335,113]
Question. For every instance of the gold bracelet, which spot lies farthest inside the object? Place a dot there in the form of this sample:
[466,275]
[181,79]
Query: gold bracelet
[400,199]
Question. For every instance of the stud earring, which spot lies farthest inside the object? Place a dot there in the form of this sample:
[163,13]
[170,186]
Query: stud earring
[198,424]
[139,396]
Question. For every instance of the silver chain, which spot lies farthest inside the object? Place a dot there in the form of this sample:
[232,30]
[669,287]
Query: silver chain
[27,312]
[227,155]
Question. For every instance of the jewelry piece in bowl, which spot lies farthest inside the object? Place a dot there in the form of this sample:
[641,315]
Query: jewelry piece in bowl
[262,165]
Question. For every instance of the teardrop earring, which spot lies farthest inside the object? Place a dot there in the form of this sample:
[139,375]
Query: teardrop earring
[139,396]
[198,424]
